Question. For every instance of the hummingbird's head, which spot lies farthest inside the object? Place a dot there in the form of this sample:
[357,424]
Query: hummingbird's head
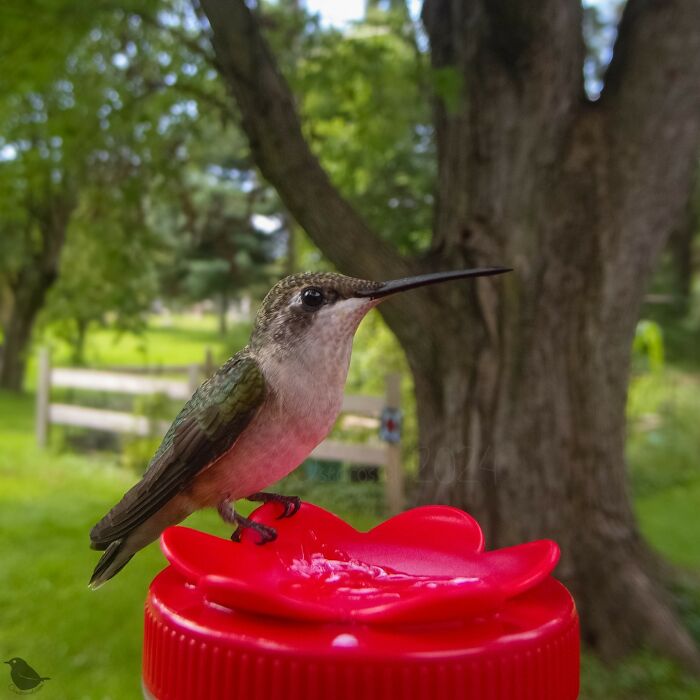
[325,308]
[317,307]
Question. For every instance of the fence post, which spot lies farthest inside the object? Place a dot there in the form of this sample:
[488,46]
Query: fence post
[193,377]
[394,473]
[209,366]
[43,397]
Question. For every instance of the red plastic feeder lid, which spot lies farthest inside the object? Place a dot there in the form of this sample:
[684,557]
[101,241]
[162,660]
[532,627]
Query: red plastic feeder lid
[414,609]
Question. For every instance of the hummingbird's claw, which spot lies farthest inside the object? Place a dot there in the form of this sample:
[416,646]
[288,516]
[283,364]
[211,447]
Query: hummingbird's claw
[291,503]
[291,507]
[267,533]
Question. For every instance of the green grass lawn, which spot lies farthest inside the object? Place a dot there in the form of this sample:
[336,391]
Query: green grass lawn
[89,643]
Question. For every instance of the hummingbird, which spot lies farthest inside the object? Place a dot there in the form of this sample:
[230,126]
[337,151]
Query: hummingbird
[23,675]
[257,417]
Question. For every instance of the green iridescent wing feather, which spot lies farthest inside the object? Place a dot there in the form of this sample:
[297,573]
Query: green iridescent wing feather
[206,427]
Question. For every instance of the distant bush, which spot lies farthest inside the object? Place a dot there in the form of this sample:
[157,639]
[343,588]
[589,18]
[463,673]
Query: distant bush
[136,451]
[643,676]
[648,347]
[341,496]
[663,445]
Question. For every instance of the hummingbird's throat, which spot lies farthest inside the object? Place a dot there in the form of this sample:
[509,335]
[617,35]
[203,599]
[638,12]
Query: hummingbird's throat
[312,364]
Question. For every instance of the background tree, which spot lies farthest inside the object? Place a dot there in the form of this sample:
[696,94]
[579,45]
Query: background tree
[521,382]
[212,215]
[110,264]
[38,182]
[92,130]
[56,102]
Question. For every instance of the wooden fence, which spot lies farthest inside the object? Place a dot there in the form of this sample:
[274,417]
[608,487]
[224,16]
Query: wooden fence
[357,411]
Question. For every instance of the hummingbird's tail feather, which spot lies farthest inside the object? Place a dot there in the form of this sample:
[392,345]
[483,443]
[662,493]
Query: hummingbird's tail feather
[115,558]
[118,550]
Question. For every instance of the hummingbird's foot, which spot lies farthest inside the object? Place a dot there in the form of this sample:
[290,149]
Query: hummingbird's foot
[267,533]
[291,503]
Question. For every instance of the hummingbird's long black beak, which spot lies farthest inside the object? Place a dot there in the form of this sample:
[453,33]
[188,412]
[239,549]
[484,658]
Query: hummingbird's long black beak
[394,286]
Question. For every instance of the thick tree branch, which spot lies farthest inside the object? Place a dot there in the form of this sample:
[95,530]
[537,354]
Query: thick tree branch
[651,112]
[273,129]
[508,77]
[541,41]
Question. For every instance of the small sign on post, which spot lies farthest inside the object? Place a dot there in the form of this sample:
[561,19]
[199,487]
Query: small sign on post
[390,428]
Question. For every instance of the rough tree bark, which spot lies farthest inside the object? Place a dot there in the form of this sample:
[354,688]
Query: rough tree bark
[29,286]
[521,382]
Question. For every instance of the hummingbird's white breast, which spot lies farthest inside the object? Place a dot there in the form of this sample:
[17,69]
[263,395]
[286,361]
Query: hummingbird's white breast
[305,385]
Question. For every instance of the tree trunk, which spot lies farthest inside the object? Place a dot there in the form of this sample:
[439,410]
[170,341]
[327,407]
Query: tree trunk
[521,392]
[521,389]
[521,381]
[81,329]
[17,335]
[28,299]
[33,281]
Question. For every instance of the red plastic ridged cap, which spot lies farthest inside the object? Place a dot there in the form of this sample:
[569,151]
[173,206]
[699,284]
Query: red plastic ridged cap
[412,610]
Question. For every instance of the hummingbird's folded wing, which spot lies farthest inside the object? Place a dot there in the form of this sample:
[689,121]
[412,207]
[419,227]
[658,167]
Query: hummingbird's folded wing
[205,429]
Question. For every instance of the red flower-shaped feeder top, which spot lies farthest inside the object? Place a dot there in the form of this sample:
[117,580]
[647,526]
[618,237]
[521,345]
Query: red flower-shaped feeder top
[425,565]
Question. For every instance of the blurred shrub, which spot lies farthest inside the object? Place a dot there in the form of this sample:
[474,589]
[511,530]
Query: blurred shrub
[342,496]
[68,438]
[648,347]
[642,676]
[663,445]
[136,452]
[686,596]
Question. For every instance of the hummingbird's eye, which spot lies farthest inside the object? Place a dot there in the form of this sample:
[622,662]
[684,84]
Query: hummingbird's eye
[312,298]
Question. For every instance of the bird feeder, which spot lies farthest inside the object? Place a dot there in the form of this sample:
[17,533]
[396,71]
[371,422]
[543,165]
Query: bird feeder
[414,609]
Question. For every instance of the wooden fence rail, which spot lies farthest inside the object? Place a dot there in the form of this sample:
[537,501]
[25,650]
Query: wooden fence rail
[357,411]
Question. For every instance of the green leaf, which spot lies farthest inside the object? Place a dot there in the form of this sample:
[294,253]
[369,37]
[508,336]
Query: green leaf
[448,84]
